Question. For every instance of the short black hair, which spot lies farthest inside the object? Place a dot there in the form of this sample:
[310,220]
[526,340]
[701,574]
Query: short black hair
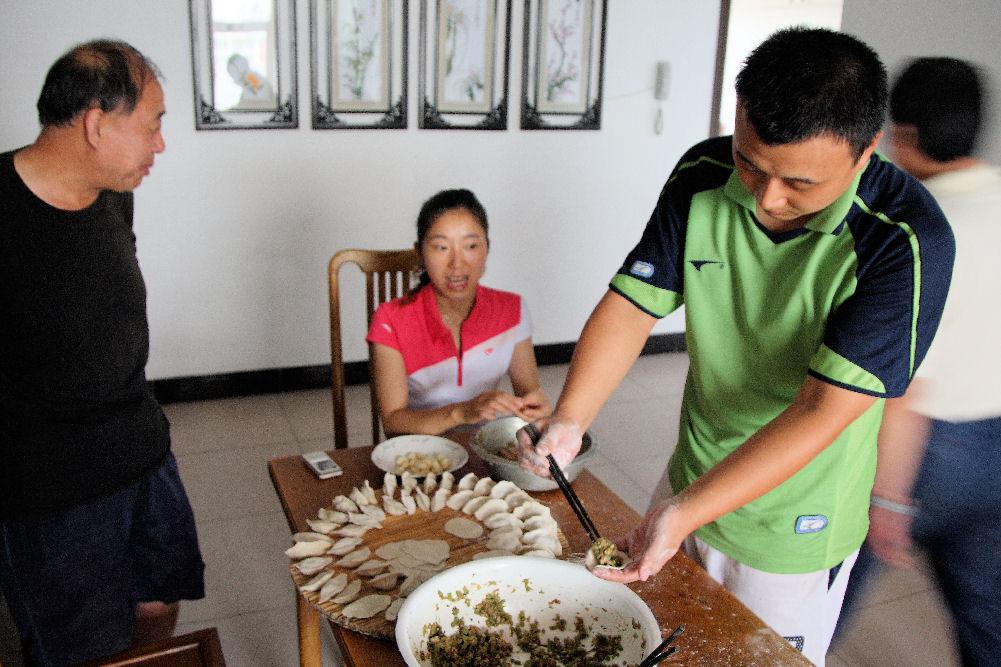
[105,74]
[942,98]
[802,83]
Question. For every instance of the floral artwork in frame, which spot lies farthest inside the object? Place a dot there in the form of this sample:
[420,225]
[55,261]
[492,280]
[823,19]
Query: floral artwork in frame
[359,66]
[563,63]
[464,63]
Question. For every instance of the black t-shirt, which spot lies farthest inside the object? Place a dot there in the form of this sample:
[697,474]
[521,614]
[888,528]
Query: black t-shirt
[77,417]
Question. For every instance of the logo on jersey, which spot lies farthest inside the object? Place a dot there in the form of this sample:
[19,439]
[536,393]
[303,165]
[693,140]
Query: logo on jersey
[810,523]
[641,269]
[699,263]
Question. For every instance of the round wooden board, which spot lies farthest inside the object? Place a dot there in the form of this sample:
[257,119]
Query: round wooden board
[419,526]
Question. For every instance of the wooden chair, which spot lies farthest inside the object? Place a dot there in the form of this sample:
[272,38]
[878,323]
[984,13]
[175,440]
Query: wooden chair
[195,649]
[387,276]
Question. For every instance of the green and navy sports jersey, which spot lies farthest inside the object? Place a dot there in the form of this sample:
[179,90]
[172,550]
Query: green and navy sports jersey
[853,299]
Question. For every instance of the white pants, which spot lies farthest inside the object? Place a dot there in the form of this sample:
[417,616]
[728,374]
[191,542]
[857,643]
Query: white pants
[803,608]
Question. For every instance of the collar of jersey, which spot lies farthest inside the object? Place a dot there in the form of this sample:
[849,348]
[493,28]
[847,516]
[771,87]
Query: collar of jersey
[829,220]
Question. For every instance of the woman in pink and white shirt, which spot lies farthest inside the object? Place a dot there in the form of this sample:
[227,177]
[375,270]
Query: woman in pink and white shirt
[441,351]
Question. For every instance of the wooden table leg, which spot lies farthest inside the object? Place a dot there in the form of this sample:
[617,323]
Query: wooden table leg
[309,633]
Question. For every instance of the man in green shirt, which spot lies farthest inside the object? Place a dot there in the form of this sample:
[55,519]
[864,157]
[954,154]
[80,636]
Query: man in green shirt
[813,275]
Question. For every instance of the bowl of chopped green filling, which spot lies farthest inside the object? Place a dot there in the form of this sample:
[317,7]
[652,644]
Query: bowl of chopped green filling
[522,610]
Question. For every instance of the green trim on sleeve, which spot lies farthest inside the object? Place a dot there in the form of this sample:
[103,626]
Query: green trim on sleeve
[830,364]
[912,238]
[654,300]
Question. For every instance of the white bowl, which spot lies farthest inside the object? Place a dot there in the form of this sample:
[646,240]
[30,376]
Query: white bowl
[498,434]
[532,585]
[385,453]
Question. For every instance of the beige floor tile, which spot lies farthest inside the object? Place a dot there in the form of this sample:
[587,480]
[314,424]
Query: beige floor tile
[638,436]
[618,481]
[229,423]
[912,631]
[661,375]
[232,483]
[245,568]
[309,412]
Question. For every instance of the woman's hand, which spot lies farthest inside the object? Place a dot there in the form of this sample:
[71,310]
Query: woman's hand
[560,437]
[489,405]
[650,544]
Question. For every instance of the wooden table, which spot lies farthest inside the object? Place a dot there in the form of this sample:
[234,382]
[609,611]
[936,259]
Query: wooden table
[719,630]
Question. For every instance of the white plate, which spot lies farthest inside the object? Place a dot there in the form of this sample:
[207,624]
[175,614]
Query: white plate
[385,453]
[531,585]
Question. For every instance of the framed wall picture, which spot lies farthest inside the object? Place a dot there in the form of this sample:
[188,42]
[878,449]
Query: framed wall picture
[464,59]
[244,61]
[359,63]
[562,67]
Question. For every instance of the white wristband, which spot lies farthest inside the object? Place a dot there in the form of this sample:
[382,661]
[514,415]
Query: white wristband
[899,508]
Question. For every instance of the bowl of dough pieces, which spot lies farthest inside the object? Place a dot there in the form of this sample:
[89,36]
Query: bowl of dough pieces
[496,444]
[419,455]
[497,610]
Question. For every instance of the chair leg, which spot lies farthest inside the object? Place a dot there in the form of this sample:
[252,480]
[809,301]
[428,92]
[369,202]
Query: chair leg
[309,633]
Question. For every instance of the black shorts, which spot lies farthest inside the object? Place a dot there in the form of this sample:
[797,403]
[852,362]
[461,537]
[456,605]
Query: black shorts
[72,580]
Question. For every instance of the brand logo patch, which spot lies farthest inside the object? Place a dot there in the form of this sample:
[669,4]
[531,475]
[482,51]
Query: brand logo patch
[641,269]
[699,263]
[810,523]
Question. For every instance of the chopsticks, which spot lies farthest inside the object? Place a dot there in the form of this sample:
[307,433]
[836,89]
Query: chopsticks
[561,481]
[659,653]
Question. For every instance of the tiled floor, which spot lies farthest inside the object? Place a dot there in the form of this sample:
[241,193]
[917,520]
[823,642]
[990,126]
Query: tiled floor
[223,447]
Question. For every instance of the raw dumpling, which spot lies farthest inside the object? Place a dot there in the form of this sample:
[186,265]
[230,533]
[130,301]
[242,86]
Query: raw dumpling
[491,506]
[349,593]
[459,498]
[483,486]
[517,498]
[540,521]
[333,587]
[468,481]
[343,546]
[474,504]
[394,507]
[529,509]
[388,486]
[502,520]
[393,610]
[502,488]
[314,584]
[345,504]
[423,502]
[355,558]
[307,549]
[440,498]
[505,540]
[310,566]
[386,581]
[372,567]
[322,526]
[447,481]
[333,515]
[367,607]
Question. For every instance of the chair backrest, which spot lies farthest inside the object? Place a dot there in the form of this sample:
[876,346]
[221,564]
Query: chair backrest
[195,649]
[388,274]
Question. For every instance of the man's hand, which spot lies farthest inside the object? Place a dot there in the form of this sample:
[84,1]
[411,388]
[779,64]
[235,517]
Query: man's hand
[890,537]
[560,437]
[651,544]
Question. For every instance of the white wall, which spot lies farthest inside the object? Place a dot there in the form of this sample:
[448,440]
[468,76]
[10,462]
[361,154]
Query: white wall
[905,29]
[235,228]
